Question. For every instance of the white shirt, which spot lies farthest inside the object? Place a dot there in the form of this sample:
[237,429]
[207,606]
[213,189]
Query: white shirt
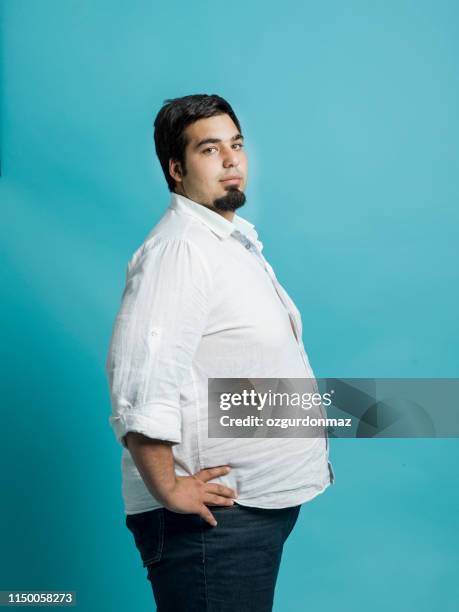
[199,305]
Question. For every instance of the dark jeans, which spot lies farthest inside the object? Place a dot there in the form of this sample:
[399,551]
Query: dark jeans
[194,567]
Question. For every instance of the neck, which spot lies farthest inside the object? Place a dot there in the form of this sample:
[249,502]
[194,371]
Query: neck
[227,214]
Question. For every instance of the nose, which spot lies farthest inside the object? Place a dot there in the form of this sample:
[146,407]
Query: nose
[230,158]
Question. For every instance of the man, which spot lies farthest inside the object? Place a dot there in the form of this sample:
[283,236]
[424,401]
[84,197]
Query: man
[209,516]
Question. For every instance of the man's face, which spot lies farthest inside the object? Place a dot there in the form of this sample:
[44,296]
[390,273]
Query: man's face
[213,155]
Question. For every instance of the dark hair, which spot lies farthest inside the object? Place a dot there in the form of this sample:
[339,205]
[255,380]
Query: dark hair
[170,123]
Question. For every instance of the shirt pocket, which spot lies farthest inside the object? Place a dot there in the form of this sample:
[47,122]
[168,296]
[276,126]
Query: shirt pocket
[148,531]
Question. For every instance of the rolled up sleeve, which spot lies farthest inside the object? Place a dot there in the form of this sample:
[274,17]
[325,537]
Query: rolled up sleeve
[155,335]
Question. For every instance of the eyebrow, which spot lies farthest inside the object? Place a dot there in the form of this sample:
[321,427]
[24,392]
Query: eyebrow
[237,136]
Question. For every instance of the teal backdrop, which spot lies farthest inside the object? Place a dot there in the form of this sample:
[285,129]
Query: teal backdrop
[350,111]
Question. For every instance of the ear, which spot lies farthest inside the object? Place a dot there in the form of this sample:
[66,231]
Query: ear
[175,170]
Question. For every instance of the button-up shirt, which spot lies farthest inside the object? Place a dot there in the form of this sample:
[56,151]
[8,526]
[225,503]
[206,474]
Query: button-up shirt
[201,302]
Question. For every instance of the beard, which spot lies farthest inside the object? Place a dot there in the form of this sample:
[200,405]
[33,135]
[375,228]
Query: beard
[232,200]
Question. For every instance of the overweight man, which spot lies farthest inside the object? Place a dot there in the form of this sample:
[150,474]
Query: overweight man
[209,516]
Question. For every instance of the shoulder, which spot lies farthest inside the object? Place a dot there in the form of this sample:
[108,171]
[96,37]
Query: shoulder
[178,237]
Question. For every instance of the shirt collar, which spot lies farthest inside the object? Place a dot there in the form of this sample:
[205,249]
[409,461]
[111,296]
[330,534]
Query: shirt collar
[218,224]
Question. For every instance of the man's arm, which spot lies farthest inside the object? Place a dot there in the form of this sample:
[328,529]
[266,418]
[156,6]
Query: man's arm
[183,494]
[157,330]
[155,462]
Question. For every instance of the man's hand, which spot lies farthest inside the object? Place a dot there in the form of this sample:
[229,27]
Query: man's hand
[191,494]
[183,494]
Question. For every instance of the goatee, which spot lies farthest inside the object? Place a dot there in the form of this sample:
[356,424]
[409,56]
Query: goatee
[231,201]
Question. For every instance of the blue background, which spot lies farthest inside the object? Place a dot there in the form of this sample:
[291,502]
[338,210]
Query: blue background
[350,115]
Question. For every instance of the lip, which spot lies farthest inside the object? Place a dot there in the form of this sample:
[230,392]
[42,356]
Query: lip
[232,179]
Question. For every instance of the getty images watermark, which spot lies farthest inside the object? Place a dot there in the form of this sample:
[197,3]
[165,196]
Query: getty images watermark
[333,407]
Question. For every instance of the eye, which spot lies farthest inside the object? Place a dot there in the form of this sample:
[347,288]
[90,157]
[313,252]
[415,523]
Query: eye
[238,144]
[209,149]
